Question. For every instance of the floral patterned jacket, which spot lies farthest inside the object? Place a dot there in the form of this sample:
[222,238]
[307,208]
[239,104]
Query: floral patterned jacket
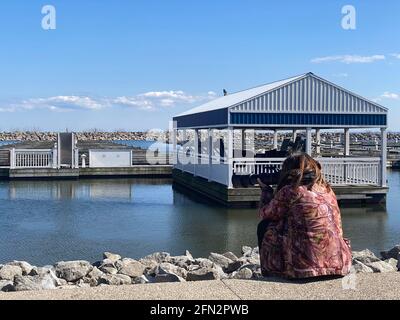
[304,237]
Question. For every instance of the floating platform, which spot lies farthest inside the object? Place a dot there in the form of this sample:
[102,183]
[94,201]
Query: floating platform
[144,171]
[249,197]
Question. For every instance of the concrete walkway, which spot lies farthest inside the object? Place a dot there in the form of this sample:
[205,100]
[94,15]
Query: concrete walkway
[367,286]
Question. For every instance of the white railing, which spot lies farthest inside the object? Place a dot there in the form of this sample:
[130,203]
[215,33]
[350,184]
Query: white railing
[337,171]
[349,171]
[31,158]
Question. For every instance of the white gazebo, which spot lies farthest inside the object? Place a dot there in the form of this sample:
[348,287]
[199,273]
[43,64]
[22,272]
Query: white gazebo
[302,103]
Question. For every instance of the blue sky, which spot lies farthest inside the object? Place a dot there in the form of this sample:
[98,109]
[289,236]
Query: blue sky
[134,64]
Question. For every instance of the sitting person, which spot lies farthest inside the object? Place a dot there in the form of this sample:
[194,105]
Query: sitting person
[300,235]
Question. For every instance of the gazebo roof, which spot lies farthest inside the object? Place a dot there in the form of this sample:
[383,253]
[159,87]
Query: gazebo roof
[300,101]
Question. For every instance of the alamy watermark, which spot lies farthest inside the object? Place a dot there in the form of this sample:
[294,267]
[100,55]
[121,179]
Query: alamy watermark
[49,21]
[349,20]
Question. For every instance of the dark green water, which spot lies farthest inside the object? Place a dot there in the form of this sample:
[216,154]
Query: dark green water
[44,222]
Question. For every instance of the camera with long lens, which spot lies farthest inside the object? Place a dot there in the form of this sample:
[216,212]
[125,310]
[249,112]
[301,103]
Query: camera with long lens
[270,176]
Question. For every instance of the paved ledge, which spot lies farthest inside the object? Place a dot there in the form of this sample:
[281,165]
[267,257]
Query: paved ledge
[368,286]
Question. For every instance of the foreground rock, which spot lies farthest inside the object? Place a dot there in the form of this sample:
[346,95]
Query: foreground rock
[160,267]
[9,272]
[72,270]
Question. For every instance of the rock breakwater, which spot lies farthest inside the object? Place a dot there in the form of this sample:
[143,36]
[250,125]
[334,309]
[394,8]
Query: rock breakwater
[160,267]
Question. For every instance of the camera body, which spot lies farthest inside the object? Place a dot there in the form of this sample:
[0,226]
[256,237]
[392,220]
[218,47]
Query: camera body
[270,176]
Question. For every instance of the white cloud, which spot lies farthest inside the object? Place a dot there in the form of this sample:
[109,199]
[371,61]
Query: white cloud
[341,75]
[390,95]
[349,59]
[396,55]
[152,100]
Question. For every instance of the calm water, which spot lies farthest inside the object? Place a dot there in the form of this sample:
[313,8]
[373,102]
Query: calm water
[44,222]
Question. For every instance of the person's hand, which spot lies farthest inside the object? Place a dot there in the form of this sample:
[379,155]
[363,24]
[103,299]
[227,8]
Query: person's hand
[267,193]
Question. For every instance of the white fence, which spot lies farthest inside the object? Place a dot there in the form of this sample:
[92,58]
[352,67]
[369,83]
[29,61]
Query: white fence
[337,171]
[32,158]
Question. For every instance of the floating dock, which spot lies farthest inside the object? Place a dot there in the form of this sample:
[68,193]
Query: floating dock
[249,197]
[138,165]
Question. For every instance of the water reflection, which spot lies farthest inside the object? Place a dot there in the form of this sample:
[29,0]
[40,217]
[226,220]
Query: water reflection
[47,221]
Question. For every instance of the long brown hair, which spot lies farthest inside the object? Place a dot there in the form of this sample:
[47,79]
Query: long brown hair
[301,169]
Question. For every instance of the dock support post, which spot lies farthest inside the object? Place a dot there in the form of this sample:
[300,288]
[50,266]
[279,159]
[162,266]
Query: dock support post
[275,139]
[229,155]
[346,141]
[308,141]
[318,142]
[383,156]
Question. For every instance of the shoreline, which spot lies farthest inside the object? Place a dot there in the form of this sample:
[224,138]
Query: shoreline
[161,267]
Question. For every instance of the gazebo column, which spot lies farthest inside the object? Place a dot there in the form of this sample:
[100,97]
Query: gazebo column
[308,141]
[383,156]
[346,141]
[294,135]
[243,147]
[174,133]
[318,142]
[196,150]
[229,155]
[210,152]
[275,139]
[184,135]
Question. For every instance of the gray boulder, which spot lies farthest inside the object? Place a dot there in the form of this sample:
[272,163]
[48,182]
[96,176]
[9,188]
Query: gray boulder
[169,268]
[150,266]
[244,273]
[93,277]
[9,272]
[365,256]
[254,267]
[108,266]
[392,253]
[25,266]
[203,262]
[6,285]
[202,273]
[34,283]
[111,256]
[220,271]
[115,279]
[230,255]
[220,260]
[381,266]
[40,271]
[130,267]
[359,267]
[246,250]
[235,265]
[72,270]
[392,262]
[168,277]
[143,279]
[182,261]
[159,257]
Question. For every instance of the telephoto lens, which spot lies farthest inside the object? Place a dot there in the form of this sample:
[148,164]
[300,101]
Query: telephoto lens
[271,177]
